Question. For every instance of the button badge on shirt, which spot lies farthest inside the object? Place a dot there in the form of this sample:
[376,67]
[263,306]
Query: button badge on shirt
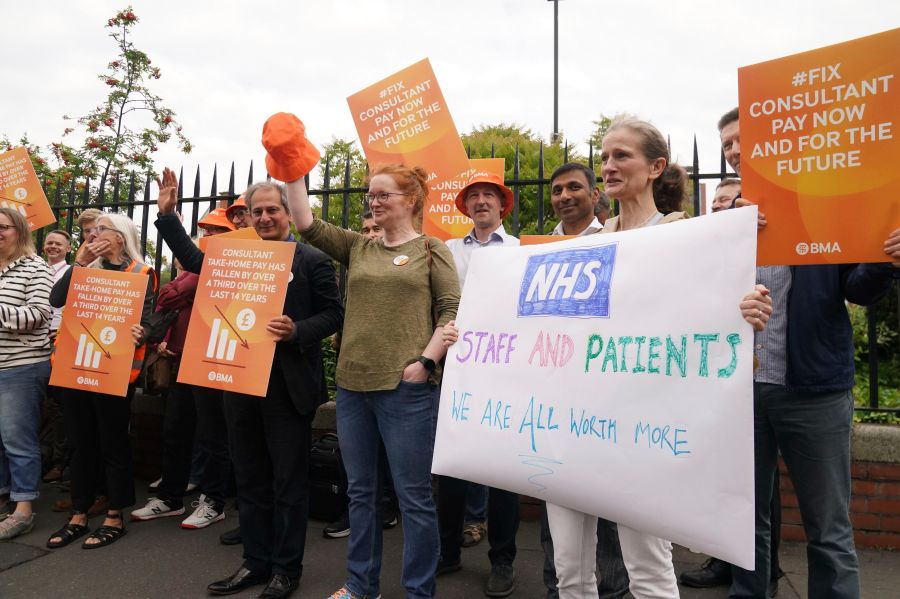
[401,260]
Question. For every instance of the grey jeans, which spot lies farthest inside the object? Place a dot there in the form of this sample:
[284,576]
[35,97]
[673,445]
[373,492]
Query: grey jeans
[812,430]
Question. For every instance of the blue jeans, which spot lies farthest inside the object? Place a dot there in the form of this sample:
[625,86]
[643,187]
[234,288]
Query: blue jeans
[403,419]
[813,433]
[22,389]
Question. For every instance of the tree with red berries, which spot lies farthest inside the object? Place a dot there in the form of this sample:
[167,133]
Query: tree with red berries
[121,134]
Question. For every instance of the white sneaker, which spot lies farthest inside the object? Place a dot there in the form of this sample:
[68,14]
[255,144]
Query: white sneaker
[156,508]
[204,514]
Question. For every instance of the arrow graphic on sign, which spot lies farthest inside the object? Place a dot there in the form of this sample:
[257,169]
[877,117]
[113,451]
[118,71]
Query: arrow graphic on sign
[234,330]
[99,345]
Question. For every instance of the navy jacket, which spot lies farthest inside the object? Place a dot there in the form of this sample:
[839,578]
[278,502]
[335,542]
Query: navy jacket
[313,302]
[819,335]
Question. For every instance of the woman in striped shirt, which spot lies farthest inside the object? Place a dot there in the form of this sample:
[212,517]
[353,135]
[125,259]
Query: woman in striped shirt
[25,282]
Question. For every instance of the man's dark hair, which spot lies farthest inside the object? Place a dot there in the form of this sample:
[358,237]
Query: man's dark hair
[367,215]
[728,118]
[575,166]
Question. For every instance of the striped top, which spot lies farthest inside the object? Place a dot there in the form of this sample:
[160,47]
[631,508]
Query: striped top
[25,312]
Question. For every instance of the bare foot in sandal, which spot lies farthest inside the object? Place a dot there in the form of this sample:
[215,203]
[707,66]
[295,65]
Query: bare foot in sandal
[59,539]
[112,529]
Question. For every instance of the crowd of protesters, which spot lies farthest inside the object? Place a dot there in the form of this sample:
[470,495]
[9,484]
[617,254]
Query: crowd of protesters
[392,328]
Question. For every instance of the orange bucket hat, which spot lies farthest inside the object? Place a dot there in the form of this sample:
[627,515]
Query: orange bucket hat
[290,155]
[238,203]
[493,179]
[216,218]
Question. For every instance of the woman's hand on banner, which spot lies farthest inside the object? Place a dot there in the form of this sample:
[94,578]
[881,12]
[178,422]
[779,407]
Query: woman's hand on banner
[450,334]
[756,307]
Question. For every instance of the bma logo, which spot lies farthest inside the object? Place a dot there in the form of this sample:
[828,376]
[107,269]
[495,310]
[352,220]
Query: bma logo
[573,283]
[817,248]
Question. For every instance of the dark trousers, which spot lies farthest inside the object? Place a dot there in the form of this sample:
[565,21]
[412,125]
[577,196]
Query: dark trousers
[612,577]
[813,433]
[101,449]
[270,443]
[194,413]
[503,521]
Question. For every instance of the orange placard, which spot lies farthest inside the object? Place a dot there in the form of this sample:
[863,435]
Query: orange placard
[403,119]
[94,348]
[245,233]
[819,149]
[442,219]
[539,239]
[21,190]
[241,288]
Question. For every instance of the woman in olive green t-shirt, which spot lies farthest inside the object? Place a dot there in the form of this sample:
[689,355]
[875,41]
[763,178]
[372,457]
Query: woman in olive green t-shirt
[401,291]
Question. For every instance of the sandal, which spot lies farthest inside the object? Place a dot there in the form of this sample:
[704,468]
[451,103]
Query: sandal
[473,534]
[106,535]
[67,534]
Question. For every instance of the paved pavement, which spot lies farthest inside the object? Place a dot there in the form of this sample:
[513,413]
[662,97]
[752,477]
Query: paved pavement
[158,559]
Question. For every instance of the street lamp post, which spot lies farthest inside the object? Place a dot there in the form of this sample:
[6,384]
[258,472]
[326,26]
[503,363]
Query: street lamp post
[555,70]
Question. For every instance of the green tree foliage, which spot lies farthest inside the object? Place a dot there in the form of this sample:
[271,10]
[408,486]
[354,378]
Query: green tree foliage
[122,132]
[343,166]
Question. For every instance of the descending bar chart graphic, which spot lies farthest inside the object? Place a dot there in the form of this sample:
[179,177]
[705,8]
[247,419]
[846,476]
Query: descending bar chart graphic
[220,346]
[86,356]
[17,206]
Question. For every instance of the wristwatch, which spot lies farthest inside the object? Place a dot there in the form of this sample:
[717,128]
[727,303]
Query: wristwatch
[428,363]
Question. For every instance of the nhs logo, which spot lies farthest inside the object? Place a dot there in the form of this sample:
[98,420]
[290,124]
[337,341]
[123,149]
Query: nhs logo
[573,283]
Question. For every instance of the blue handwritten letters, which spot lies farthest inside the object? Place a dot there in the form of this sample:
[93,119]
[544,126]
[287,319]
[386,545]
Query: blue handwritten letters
[569,283]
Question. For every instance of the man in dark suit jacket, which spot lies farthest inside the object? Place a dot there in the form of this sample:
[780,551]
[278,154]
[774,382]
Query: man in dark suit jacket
[270,437]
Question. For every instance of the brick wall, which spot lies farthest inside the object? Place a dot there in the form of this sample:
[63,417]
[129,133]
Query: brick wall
[874,506]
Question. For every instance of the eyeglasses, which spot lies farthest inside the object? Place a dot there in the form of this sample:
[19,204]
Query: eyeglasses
[382,196]
[7,227]
[238,213]
[103,229]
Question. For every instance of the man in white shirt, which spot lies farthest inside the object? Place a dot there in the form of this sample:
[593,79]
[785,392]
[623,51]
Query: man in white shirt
[486,200]
[57,246]
[574,194]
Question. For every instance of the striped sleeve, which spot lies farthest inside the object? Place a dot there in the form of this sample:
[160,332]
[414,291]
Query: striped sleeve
[25,296]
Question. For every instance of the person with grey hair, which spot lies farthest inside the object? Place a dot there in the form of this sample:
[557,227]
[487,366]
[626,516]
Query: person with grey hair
[271,437]
[99,422]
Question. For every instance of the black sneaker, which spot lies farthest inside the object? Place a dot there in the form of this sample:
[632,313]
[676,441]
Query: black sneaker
[501,582]
[446,566]
[339,528]
[390,520]
[232,537]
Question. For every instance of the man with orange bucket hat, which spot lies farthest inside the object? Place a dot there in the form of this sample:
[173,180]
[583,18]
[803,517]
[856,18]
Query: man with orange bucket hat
[238,214]
[215,222]
[486,200]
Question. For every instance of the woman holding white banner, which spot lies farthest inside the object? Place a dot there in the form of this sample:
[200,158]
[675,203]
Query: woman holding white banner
[99,422]
[636,171]
[401,290]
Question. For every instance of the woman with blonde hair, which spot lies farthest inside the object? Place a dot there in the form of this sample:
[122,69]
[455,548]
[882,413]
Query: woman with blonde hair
[25,282]
[401,290]
[99,422]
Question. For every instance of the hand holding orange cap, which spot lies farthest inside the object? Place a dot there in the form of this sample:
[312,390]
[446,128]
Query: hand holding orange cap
[483,177]
[290,155]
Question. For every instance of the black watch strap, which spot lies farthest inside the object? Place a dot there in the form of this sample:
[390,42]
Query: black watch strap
[428,363]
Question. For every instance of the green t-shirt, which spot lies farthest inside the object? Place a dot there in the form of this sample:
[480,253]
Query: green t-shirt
[388,319]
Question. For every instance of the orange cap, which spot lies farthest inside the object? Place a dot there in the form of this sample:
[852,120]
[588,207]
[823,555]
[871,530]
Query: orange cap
[493,179]
[290,155]
[216,218]
[238,203]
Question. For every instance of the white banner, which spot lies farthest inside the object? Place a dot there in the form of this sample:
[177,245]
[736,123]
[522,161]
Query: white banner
[613,374]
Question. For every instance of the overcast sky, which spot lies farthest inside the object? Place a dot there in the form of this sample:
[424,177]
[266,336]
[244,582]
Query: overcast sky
[227,65]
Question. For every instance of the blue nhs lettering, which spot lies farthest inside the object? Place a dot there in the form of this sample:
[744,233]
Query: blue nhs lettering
[573,283]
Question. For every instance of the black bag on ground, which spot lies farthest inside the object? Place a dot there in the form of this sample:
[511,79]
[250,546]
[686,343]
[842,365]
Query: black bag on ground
[327,480]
